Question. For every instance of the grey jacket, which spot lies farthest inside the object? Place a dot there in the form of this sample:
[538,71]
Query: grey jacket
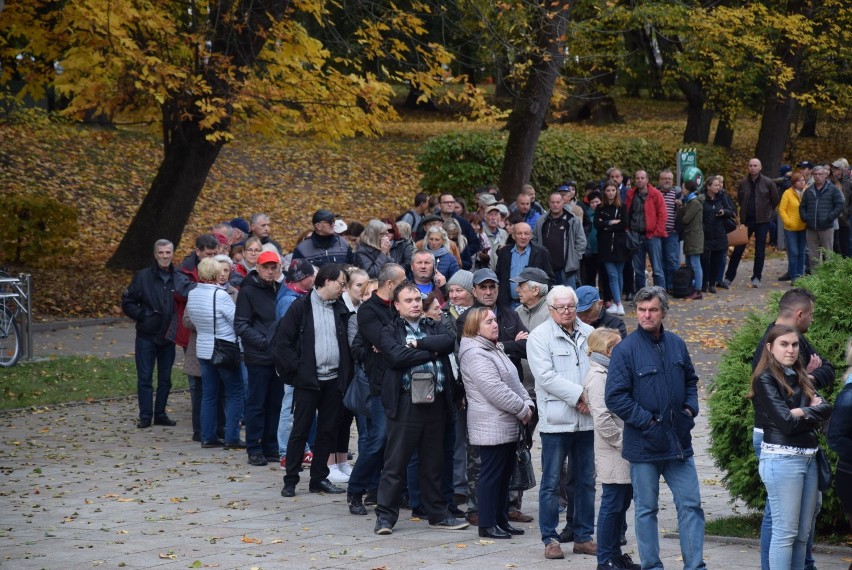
[496,399]
[819,208]
[575,240]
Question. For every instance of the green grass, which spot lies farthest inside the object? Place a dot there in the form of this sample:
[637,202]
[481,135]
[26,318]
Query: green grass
[66,379]
[748,526]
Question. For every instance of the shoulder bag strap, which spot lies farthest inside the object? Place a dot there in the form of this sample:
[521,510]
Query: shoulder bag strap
[214,313]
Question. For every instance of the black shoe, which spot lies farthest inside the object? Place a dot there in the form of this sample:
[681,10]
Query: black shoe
[419,512]
[257,460]
[288,491]
[325,486]
[273,458]
[451,523]
[785,277]
[712,289]
[511,529]
[143,424]
[349,455]
[383,526]
[724,284]
[455,511]
[214,443]
[370,498]
[493,532]
[623,540]
[567,535]
[239,444]
[356,505]
[196,437]
[627,563]
[164,420]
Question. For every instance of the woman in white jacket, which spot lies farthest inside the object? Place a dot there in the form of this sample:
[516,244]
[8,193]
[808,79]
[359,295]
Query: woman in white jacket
[199,307]
[613,471]
[497,405]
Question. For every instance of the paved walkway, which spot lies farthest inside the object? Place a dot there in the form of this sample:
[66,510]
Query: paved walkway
[82,487]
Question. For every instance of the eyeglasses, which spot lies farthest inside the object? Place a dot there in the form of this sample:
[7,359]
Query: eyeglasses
[564,309]
[342,284]
[448,201]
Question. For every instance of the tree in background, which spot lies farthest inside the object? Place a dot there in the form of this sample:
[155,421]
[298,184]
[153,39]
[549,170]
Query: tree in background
[199,67]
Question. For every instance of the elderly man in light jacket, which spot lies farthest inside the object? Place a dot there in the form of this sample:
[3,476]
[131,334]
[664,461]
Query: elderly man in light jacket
[556,350]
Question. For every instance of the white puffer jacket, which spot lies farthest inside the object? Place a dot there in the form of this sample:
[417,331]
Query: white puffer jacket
[496,399]
[610,467]
[199,306]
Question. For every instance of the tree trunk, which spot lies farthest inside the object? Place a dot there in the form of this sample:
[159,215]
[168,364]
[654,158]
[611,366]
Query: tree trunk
[590,101]
[778,115]
[724,133]
[533,102]
[809,123]
[698,116]
[169,202]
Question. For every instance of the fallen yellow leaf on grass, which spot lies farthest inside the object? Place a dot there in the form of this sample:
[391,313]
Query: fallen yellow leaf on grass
[249,540]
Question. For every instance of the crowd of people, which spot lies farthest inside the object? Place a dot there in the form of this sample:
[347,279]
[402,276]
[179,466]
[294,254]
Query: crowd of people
[452,334]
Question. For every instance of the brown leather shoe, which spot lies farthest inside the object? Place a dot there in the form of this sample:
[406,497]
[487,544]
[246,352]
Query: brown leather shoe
[472,517]
[586,548]
[553,551]
[518,516]
[694,296]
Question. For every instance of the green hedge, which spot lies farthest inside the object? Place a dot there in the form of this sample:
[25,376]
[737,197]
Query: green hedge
[731,414]
[36,229]
[460,162]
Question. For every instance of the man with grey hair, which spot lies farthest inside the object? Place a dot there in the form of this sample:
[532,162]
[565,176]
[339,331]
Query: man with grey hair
[558,356]
[512,260]
[149,300]
[259,226]
[531,284]
[821,205]
[653,387]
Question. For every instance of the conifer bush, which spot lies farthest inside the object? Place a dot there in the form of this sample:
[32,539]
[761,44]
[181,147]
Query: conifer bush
[731,415]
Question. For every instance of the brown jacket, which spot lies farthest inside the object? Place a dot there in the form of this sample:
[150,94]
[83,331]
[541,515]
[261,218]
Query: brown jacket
[766,202]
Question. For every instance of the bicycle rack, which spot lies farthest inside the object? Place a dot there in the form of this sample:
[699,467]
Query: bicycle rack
[21,293]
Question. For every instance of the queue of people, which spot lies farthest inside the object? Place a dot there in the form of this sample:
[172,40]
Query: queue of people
[478,336]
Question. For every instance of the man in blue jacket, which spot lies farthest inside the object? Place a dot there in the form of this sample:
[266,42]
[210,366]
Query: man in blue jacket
[653,387]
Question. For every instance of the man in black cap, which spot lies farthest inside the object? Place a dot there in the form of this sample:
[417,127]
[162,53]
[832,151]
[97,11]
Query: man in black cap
[805,169]
[324,246]
[532,286]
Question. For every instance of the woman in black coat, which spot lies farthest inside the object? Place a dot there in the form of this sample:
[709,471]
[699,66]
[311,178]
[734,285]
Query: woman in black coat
[717,208]
[611,223]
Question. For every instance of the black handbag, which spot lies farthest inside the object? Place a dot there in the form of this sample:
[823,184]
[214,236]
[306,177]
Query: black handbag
[226,353]
[357,396]
[523,473]
[823,471]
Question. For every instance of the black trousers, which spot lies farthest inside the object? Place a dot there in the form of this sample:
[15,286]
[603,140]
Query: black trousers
[326,403]
[492,490]
[416,427]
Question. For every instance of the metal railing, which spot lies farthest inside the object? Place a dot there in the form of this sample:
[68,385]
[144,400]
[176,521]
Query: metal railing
[16,299]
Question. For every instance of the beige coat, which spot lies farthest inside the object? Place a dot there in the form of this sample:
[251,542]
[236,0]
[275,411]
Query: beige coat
[496,399]
[611,468]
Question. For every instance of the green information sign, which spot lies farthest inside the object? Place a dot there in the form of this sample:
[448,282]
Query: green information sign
[684,158]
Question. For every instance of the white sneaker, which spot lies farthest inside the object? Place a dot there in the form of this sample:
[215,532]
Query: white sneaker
[620,310]
[335,475]
[612,309]
[345,468]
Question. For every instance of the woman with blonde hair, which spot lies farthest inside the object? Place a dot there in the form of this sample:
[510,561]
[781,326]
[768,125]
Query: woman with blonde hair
[373,252]
[795,230]
[211,310]
[438,243]
[456,236]
[497,405]
[613,471]
[789,411]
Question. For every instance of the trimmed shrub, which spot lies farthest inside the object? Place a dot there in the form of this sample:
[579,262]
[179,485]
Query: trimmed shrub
[460,162]
[731,415]
[36,229]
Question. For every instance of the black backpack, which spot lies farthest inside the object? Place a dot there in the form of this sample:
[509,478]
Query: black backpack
[682,282]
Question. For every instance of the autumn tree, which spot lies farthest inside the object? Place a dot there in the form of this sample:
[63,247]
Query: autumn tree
[197,68]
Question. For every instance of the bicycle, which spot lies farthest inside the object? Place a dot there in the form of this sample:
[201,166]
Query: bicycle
[10,333]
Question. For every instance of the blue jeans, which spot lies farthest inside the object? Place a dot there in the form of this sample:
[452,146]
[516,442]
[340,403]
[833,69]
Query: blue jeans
[682,479]
[766,524]
[615,500]
[796,250]
[652,248]
[371,449]
[615,276]
[555,447]
[147,353]
[671,258]
[694,261]
[791,489]
[211,376]
[263,410]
